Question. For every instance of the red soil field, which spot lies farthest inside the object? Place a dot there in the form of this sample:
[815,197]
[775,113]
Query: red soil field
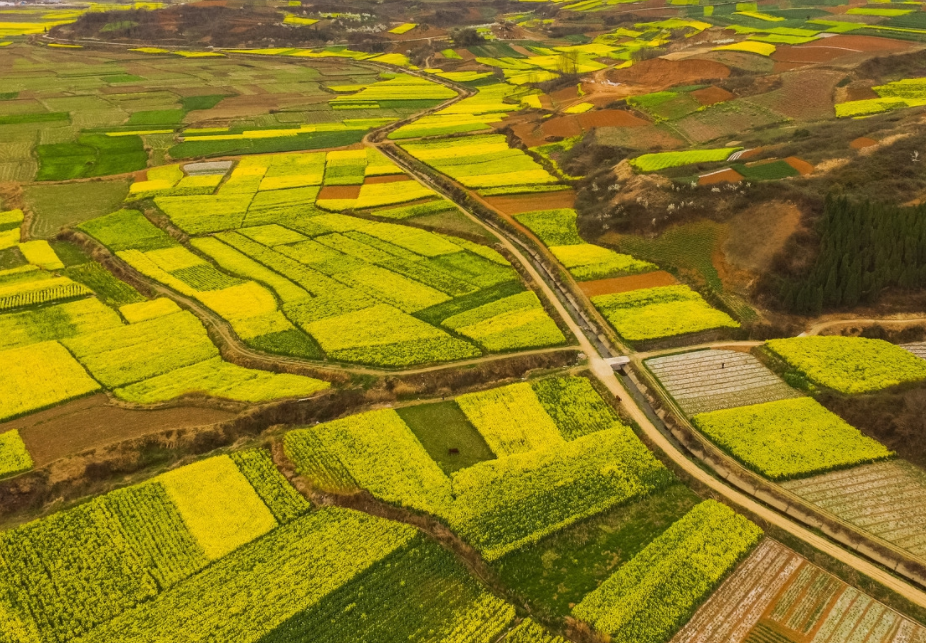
[610,118]
[658,73]
[800,165]
[862,142]
[626,284]
[339,192]
[567,93]
[565,126]
[386,178]
[529,134]
[711,95]
[728,175]
[519,203]
[750,153]
[93,422]
[822,51]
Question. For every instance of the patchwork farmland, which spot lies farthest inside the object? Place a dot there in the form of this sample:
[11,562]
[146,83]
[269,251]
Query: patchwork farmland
[557,322]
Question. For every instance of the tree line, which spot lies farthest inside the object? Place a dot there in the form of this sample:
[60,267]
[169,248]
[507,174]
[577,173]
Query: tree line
[865,248]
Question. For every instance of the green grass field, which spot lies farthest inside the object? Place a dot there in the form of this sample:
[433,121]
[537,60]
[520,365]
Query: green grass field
[442,426]
[56,206]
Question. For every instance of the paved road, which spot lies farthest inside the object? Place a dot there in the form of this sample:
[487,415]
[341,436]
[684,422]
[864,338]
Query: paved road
[597,352]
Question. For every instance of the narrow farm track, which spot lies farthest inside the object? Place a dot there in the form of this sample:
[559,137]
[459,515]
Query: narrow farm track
[597,351]
[235,349]
[816,329]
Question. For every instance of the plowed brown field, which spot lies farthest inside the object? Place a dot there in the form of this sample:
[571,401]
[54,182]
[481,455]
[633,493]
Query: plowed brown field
[517,204]
[626,284]
[657,73]
[93,422]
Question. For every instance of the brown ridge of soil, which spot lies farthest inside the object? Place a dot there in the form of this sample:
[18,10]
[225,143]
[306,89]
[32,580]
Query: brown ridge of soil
[465,54]
[800,165]
[545,101]
[521,50]
[339,192]
[386,178]
[520,203]
[728,175]
[658,73]
[93,422]
[862,142]
[626,284]
[711,95]
[610,118]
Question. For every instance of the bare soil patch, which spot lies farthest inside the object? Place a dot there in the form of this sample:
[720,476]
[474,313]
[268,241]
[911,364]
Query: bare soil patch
[626,284]
[804,95]
[610,118]
[728,175]
[860,93]
[517,204]
[748,154]
[565,94]
[862,142]
[565,126]
[651,138]
[386,178]
[530,134]
[800,165]
[740,60]
[658,73]
[93,422]
[757,234]
[339,192]
[711,95]
[830,49]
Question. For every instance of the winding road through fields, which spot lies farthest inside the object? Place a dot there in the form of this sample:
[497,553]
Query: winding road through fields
[598,351]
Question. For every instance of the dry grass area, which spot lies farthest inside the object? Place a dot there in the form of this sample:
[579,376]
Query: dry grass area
[757,234]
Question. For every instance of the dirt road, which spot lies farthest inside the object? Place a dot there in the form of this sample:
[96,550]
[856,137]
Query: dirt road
[597,352]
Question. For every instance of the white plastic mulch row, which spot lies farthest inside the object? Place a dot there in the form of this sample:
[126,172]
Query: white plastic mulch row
[711,380]
[887,499]
[917,348]
[776,595]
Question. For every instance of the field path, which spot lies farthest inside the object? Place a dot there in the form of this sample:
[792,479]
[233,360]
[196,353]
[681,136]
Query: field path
[817,328]
[597,352]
